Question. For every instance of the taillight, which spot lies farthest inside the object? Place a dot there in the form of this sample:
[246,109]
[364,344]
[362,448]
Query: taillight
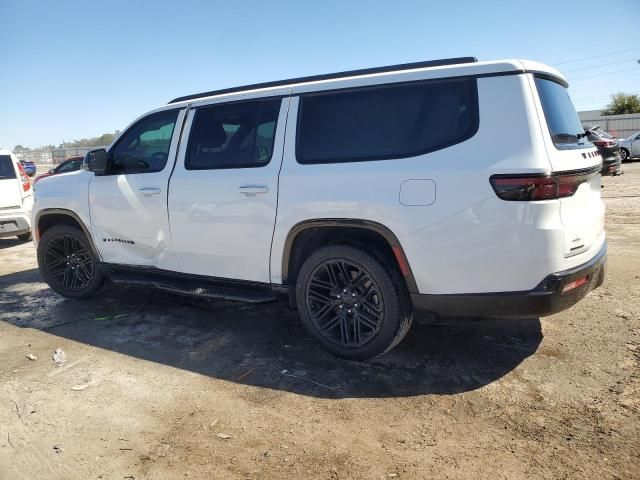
[539,187]
[604,143]
[24,178]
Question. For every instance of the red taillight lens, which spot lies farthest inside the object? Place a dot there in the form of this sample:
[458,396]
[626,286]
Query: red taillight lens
[604,143]
[24,178]
[538,187]
[524,188]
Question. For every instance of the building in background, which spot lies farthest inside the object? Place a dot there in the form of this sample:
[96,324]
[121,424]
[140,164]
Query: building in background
[620,126]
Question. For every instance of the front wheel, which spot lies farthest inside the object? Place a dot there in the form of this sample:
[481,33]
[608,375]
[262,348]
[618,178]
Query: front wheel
[624,154]
[25,237]
[67,262]
[353,304]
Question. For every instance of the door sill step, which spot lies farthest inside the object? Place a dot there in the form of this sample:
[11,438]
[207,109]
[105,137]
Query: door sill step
[187,284]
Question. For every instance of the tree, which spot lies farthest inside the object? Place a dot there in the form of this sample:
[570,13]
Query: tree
[101,141]
[622,103]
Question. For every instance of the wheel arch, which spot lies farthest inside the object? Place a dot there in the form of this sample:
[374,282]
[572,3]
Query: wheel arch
[47,218]
[310,234]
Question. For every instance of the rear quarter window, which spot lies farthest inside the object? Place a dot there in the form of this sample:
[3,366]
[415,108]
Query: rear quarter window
[6,167]
[562,119]
[386,122]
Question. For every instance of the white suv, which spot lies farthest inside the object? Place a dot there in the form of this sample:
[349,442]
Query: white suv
[452,186]
[16,198]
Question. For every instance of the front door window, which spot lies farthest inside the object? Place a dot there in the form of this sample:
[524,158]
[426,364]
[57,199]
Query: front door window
[145,146]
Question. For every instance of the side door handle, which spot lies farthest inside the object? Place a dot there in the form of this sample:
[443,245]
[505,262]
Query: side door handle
[148,191]
[253,189]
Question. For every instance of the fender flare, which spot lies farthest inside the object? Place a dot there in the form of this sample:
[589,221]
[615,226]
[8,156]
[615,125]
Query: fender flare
[375,227]
[71,214]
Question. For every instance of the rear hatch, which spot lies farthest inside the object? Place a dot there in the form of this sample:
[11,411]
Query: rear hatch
[10,187]
[577,160]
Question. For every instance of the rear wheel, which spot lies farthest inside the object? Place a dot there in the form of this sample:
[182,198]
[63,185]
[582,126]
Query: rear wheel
[624,154]
[67,262]
[25,237]
[353,304]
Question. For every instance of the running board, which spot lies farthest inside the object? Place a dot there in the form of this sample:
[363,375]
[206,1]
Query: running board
[186,284]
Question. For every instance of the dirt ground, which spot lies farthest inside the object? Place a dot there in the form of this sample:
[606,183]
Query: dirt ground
[154,383]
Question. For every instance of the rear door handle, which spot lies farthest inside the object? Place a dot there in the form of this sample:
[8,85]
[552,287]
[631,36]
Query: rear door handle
[253,189]
[148,191]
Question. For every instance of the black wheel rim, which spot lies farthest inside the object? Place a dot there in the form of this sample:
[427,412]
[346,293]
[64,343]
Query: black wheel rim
[69,262]
[345,303]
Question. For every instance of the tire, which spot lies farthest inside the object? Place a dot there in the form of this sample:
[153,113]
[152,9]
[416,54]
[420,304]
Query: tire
[624,154]
[356,306]
[25,237]
[81,276]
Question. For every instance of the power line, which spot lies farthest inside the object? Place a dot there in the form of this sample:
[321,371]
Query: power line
[605,73]
[597,56]
[614,83]
[604,96]
[599,65]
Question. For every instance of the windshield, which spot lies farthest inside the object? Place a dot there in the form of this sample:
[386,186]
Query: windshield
[562,119]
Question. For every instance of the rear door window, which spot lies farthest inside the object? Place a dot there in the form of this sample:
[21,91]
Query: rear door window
[384,122]
[562,118]
[6,167]
[233,135]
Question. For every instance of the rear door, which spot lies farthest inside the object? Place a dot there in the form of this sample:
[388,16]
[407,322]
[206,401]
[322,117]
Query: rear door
[224,189]
[10,186]
[582,213]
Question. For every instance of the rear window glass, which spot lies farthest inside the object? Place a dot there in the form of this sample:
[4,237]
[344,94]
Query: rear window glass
[6,167]
[384,122]
[602,133]
[562,119]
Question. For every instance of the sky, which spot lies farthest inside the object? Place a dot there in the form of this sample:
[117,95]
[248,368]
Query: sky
[75,69]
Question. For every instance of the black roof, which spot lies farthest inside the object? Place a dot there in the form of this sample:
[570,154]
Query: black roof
[329,76]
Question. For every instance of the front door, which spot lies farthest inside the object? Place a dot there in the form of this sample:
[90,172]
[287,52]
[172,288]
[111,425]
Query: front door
[128,204]
[224,190]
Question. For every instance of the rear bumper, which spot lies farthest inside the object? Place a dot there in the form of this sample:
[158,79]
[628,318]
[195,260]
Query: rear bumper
[546,299]
[611,165]
[12,226]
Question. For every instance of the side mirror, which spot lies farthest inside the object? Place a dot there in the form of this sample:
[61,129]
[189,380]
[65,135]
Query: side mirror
[96,161]
[52,171]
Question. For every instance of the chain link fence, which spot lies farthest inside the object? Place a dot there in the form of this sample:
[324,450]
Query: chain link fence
[52,156]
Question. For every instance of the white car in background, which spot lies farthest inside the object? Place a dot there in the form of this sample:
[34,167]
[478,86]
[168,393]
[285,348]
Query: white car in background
[630,147]
[16,198]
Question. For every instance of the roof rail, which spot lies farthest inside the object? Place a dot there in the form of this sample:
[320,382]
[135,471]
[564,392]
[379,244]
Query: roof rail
[329,76]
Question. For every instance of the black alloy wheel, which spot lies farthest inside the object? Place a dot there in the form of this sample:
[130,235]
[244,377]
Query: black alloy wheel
[345,303]
[354,303]
[67,262]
